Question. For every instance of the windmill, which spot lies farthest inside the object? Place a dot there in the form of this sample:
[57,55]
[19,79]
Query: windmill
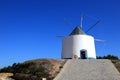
[79,44]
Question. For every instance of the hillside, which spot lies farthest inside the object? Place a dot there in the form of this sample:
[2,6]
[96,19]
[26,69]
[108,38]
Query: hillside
[39,68]
[117,64]
[35,69]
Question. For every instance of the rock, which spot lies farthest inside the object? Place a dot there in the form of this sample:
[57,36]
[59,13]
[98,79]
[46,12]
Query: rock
[5,78]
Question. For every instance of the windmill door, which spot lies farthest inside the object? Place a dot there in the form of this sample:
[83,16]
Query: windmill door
[83,54]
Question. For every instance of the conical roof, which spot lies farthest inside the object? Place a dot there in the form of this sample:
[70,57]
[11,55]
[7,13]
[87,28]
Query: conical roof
[77,31]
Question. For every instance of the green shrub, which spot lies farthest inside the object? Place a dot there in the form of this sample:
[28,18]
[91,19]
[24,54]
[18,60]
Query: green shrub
[26,71]
[111,57]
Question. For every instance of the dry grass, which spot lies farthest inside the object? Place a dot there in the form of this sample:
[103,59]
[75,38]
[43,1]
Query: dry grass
[52,66]
[6,74]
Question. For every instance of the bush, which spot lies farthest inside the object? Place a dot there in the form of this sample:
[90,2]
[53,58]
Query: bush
[26,71]
[111,57]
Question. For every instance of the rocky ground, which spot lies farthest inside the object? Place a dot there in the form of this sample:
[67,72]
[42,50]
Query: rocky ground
[53,66]
[6,76]
[99,69]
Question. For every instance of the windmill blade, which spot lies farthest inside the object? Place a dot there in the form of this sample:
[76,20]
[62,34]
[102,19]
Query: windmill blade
[60,36]
[99,40]
[93,26]
[81,20]
[68,24]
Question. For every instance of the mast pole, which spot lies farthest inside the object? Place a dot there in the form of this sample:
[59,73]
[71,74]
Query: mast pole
[81,19]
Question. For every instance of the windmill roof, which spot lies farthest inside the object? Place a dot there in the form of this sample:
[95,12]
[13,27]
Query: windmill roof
[77,31]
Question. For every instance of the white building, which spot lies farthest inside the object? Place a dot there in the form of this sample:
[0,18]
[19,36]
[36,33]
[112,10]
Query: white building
[80,44]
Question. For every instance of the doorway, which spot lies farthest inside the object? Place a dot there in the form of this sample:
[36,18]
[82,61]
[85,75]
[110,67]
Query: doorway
[83,54]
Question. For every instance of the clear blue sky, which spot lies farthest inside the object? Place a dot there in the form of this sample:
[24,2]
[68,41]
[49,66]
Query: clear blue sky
[28,28]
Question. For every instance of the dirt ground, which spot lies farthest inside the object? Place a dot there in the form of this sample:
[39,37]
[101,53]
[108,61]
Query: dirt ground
[117,64]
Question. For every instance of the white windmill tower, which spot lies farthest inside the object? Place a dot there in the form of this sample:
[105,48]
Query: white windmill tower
[80,44]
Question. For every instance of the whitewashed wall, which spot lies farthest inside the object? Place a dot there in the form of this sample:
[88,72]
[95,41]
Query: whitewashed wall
[73,44]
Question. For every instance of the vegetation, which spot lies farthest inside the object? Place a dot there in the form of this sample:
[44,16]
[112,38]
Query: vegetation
[35,69]
[111,57]
[26,71]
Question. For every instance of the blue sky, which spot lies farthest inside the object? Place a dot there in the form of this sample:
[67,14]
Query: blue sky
[28,28]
